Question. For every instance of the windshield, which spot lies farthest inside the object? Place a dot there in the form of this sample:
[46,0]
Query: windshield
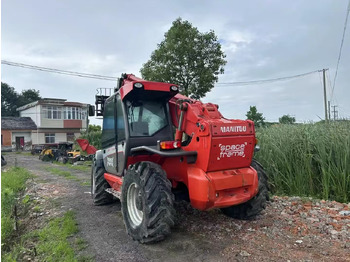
[146,118]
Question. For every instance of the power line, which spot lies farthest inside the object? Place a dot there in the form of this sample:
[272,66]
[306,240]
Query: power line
[58,71]
[263,81]
[112,78]
[341,47]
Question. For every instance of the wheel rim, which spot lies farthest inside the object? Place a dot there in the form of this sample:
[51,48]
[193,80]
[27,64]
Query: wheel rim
[133,203]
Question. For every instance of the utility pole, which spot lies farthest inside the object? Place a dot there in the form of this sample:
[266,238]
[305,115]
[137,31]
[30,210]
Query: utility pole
[325,95]
[329,110]
[335,113]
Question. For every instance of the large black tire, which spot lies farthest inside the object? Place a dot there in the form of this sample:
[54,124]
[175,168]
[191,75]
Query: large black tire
[47,158]
[254,206]
[99,186]
[147,203]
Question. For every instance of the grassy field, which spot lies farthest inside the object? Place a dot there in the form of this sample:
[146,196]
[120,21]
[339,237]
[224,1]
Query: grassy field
[55,241]
[307,159]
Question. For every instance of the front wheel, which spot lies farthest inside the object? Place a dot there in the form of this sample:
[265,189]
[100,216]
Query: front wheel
[254,206]
[99,186]
[147,203]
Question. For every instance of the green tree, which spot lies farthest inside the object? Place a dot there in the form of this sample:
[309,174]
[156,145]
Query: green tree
[287,119]
[94,128]
[28,96]
[9,99]
[255,116]
[188,58]
[93,136]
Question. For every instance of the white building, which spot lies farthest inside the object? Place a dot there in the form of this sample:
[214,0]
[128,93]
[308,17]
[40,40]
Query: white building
[56,119]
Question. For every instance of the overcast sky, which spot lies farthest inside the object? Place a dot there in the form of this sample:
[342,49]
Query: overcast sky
[262,40]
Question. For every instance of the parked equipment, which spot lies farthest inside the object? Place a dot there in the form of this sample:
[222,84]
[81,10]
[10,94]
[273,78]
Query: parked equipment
[73,156]
[54,152]
[158,145]
[36,149]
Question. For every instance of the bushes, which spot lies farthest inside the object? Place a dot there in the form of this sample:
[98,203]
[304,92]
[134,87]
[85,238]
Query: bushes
[94,138]
[308,159]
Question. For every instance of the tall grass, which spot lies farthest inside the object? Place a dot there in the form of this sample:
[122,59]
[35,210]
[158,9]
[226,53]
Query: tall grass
[308,159]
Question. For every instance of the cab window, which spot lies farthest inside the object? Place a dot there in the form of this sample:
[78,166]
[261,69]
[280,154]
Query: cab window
[108,131]
[146,117]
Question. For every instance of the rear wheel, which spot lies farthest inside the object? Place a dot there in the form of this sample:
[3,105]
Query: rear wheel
[47,158]
[254,206]
[99,186]
[147,203]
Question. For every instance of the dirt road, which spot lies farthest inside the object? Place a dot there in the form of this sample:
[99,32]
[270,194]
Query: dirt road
[291,229]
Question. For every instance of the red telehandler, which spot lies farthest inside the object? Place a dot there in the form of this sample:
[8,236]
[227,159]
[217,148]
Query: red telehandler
[158,145]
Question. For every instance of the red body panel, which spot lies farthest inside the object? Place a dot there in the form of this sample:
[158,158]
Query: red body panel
[72,123]
[221,188]
[128,83]
[85,146]
[114,181]
[221,175]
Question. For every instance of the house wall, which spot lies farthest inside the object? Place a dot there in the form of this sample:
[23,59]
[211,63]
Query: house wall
[38,137]
[51,123]
[84,125]
[26,134]
[33,113]
[60,136]
[6,138]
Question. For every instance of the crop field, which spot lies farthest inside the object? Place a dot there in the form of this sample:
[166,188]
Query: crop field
[307,159]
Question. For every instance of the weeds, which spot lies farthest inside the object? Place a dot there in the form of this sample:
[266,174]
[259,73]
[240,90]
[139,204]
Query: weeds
[308,160]
[85,183]
[85,167]
[12,183]
[54,242]
[61,173]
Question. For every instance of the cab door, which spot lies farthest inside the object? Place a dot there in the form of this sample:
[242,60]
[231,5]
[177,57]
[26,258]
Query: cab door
[121,138]
[108,140]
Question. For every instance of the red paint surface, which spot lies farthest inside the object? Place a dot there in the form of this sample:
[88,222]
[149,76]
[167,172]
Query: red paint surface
[73,123]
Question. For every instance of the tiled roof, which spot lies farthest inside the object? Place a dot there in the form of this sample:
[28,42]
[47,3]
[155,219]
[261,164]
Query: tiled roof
[17,123]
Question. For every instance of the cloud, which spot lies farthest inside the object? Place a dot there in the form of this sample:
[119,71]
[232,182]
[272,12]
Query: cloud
[262,40]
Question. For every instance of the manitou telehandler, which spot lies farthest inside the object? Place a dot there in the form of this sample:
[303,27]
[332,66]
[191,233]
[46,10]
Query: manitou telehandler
[157,144]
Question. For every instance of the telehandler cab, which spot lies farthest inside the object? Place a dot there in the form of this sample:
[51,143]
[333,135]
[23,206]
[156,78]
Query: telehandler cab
[157,143]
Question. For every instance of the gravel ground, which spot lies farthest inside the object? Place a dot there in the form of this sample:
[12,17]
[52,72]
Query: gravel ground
[290,229]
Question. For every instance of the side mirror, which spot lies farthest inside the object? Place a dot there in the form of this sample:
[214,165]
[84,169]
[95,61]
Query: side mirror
[91,110]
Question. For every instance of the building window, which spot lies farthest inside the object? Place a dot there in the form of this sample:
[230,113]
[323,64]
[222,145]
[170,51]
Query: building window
[72,113]
[49,138]
[70,137]
[52,112]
